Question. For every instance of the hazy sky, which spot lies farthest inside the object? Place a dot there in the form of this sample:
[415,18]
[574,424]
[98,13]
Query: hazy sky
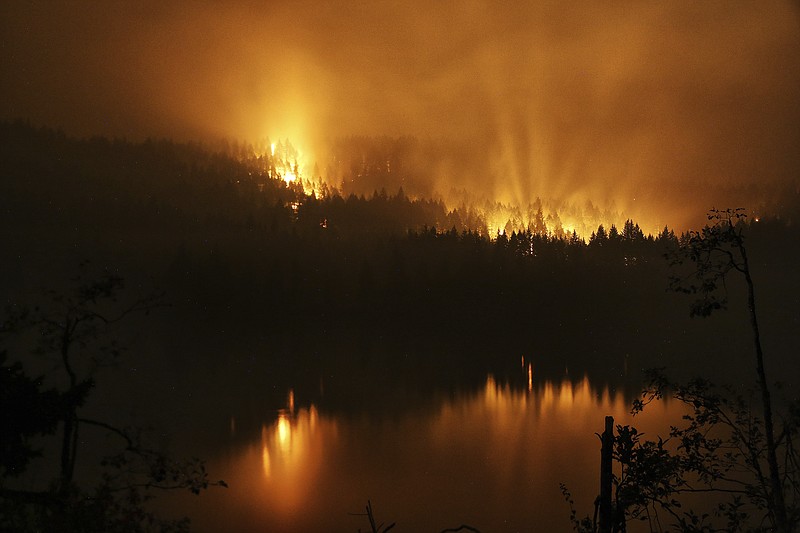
[660,101]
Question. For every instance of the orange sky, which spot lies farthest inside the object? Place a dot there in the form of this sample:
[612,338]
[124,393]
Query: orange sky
[652,106]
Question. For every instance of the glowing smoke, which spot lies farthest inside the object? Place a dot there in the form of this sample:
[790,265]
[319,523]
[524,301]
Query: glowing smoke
[645,108]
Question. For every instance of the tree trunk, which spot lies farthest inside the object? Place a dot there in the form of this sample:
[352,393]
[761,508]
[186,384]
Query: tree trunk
[68,444]
[777,503]
[606,477]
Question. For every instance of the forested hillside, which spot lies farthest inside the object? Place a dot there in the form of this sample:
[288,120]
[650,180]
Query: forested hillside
[235,245]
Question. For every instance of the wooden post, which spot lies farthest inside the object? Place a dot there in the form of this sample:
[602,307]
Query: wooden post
[606,476]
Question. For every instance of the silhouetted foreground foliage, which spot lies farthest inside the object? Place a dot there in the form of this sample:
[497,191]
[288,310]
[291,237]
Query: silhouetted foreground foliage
[72,332]
[726,449]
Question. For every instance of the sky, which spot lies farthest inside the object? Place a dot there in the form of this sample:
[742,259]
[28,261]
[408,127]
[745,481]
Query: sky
[661,109]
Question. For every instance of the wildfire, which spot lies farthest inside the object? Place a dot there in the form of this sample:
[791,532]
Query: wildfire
[287,162]
[541,217]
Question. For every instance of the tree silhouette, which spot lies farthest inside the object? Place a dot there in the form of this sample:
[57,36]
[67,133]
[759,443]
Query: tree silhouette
[599,237]
[714,252]
[73,326]
[724,446]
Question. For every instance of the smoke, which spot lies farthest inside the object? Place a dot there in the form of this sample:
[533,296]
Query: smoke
[658,109]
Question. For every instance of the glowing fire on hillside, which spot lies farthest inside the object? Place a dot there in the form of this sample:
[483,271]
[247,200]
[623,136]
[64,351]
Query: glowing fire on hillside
[285,161]
[365,167]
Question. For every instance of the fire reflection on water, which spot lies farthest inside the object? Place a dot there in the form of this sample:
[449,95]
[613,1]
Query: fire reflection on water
[292,452]
[286,440]
[493,459]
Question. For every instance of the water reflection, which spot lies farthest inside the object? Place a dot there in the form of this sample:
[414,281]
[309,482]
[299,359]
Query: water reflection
[492,459]
[291,455]
[285,444]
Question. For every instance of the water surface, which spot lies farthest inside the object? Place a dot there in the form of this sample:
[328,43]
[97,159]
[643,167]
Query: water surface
[492,459]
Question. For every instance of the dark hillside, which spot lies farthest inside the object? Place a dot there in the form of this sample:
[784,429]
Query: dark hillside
[242,254]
